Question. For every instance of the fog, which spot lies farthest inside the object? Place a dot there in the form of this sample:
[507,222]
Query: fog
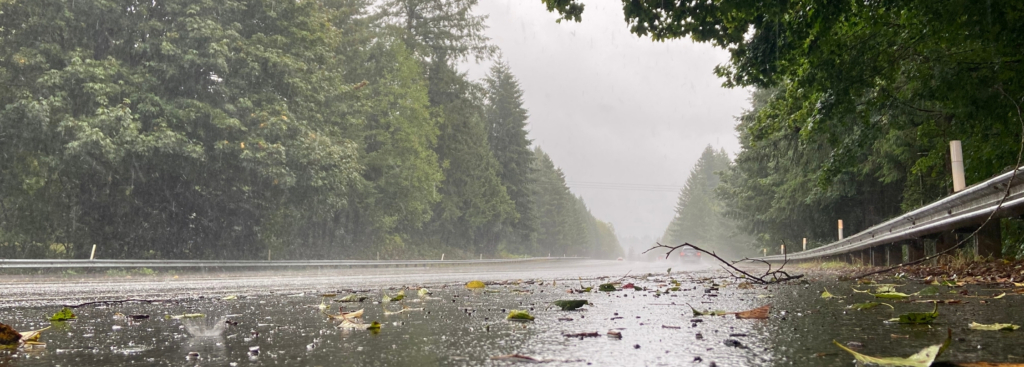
[624,117]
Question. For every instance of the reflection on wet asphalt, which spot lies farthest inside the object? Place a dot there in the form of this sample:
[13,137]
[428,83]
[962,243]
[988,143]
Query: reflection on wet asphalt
[462,327]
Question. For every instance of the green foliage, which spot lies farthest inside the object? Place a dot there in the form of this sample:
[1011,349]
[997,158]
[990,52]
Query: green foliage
[519,315]
[64,314]
[856,101]
[506,121]
[570,304]
[241,129]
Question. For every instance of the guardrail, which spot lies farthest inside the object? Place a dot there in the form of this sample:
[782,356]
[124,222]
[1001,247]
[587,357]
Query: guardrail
[966,208]
[64,263]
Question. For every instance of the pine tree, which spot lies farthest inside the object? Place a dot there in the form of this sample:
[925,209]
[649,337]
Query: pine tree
[506,119]
[698,217]
[561,227]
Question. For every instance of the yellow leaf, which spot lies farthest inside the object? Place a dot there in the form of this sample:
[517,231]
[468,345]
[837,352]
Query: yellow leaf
[994,327]
[476,284]
[924,358]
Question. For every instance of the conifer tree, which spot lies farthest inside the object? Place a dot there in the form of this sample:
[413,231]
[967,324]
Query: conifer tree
[506,120]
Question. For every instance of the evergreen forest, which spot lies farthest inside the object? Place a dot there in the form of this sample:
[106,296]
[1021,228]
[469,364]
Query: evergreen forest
[854,104]
[231,129]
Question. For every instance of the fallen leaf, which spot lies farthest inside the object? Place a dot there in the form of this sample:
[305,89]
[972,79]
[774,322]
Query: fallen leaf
[924,358]
[349,324]
[891,295]
[606,287]
[757,313]
[570,304]
[351,298]
[476,284]
[423,292]
[1001,295]
[867,305]
[919,317]
[346,315]
[398,297]
[184,316]
[8,336]
[993,327]
[228,298]
[747,285]
[520,315]
[64,315]
[32,336]
[928,291]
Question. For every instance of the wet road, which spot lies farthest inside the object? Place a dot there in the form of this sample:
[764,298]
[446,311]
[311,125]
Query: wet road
[464,327]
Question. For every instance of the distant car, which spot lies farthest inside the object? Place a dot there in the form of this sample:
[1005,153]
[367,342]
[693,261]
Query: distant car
[620,259]
[689,254]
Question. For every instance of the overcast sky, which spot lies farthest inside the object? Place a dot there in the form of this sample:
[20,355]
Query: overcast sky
[614,110]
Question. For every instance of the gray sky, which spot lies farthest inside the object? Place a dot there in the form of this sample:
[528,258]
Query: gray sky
[611,108]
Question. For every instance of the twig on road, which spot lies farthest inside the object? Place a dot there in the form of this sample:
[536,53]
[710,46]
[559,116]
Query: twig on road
[120,301]
[770,276]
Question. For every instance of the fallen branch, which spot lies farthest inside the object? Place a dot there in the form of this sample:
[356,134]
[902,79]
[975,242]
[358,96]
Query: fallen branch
[770,276]
[120,301]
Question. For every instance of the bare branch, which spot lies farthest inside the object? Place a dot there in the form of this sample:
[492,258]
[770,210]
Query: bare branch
[769,277]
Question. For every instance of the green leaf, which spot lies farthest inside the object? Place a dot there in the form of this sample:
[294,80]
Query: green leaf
[920,317]
[891,295]
[826,294]
[924,358]
[606,287]
[993,327]
[928,291]
[64,315]
[374,326]
[521,315]
[570,304]
[351,298]
[398,297]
